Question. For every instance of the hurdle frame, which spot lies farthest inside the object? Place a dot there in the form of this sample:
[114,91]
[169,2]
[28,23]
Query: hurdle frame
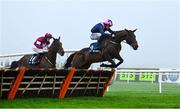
[34,81]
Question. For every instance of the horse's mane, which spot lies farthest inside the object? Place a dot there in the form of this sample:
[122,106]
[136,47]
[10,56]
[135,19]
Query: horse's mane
[120,32]
[53,44]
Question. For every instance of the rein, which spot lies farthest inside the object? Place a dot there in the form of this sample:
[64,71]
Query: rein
[117,43]
[114,42]
[48,60]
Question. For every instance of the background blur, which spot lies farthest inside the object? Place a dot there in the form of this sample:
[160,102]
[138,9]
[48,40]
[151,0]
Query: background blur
[157,21]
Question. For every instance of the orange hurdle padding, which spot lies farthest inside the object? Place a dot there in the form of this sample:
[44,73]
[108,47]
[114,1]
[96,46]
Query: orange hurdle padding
[16,84]
[66,83]
[108,82]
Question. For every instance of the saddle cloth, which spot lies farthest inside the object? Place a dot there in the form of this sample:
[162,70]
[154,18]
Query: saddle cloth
[35,59]
[94,47]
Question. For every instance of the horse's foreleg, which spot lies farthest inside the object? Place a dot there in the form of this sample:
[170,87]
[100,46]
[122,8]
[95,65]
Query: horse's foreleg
[120,61]
[108,65]
[109,59]
[113,64]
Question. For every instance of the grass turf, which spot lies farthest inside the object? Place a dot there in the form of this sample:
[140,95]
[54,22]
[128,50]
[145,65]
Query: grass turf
[120,95]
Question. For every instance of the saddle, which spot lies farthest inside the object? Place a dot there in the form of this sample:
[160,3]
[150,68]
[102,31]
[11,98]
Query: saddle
[95,47]
[36,59]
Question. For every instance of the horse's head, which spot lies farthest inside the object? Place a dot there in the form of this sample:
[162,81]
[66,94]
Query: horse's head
[131,38]
[57,45]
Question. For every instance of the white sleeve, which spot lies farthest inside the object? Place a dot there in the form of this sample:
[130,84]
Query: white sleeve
[38,42]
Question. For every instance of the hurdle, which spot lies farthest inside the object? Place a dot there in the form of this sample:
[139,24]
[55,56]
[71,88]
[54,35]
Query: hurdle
[59,83]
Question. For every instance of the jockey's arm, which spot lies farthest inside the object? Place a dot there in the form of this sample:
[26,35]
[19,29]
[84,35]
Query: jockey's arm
[45,50]
[38,44]
[111,31]
[103,34]
[46,47]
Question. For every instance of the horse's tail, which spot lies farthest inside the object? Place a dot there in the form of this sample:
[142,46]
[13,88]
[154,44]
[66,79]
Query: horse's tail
[14,65]
[69,60]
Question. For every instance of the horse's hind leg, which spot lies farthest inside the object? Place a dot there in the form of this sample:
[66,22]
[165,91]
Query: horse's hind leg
[78,61]
[14,65]
[69,60]
[120,61]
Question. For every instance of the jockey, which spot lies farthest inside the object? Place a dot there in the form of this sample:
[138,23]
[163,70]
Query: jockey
[41,45]
[98,31]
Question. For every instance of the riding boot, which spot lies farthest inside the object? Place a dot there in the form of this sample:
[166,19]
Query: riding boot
[91,48]
[37,58]
[99,44]
[40,55]
[32,59]
[100,40]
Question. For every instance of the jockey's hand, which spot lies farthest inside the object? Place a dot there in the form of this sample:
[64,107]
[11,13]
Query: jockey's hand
[45,49]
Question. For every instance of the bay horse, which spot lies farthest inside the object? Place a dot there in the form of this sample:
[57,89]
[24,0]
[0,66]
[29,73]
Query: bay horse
[47,61]
[111,47]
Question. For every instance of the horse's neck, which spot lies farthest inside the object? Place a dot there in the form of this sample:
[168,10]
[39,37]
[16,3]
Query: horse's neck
[51,55]
[114,40]
[120,36]
[110,45]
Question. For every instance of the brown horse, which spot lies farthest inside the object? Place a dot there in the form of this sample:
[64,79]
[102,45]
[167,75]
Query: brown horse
[48,60]
[111,47]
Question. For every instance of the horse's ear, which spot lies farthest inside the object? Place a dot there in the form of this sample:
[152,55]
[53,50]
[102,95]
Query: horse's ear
[126,30]
[59,38]
[53,38]
[134,30]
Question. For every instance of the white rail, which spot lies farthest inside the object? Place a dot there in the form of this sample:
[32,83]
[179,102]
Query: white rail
[6,60]
[159,72]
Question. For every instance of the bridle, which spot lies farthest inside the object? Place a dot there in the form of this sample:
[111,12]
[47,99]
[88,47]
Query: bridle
[113,42]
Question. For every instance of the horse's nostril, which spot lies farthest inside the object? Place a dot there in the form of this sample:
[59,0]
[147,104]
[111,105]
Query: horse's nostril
[136,47]
[62,53]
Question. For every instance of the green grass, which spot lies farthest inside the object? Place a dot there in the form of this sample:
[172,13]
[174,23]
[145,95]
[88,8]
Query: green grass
[120,95]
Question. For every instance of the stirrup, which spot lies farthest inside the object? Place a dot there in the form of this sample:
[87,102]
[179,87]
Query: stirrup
[94,51]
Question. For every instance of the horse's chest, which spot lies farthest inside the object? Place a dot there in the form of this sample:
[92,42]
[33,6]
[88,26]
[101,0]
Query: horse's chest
[113,52]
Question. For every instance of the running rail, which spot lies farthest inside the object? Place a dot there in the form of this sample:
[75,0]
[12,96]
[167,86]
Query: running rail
[159,72]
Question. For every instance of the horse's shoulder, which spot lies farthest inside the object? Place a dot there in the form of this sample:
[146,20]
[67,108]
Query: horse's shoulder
[83,50]
[107,40]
